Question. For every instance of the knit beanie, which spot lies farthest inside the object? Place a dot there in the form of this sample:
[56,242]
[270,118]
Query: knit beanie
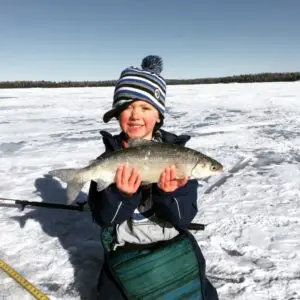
[144,84]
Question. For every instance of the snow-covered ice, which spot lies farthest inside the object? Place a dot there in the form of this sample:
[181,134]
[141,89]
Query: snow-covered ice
[252,240]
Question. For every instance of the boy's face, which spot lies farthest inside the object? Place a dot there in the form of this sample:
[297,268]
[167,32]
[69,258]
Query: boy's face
[139,119]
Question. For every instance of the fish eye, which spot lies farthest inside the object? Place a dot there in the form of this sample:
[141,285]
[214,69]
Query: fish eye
[213,168]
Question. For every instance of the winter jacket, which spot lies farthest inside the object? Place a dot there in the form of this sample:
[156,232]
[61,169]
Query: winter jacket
[110,208]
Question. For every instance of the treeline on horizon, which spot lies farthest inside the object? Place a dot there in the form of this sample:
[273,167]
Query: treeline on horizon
[247,78]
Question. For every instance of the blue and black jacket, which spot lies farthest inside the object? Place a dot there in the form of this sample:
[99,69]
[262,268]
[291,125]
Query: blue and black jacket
[179,207]
[110,207]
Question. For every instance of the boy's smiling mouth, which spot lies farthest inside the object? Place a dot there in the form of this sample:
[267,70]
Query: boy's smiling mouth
[135,125]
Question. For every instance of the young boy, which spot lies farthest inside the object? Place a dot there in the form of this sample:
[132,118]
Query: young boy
[150,253]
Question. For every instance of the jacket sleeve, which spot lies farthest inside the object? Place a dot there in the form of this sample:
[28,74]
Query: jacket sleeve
[178,207]
[110,207]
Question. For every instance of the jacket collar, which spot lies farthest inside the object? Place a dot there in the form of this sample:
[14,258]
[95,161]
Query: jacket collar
[114,142]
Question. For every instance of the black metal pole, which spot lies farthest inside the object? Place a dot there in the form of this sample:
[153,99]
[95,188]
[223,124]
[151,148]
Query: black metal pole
[24,203]
[78,207]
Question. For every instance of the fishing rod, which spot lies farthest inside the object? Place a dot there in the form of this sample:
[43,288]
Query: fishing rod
[77,207]
[24,203]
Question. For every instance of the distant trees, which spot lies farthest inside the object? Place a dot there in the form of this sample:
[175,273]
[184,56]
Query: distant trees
[261,77]
[53,84]
[246,78]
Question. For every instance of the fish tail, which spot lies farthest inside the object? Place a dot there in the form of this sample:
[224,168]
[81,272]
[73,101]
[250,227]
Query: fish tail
[66,175]
[74,184]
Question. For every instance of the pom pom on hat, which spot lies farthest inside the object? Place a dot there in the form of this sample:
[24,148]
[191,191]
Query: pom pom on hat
[153,64]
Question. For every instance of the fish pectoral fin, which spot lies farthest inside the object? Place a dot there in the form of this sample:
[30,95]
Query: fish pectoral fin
[73,189]
[102,185]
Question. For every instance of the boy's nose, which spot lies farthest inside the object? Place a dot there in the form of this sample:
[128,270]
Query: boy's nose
[135,114]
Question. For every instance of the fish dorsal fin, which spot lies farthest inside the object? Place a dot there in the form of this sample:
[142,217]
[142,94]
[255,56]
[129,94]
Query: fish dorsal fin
[93,161]
[138,142]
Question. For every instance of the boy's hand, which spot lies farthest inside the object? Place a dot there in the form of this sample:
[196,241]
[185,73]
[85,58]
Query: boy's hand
[127,183]
[168,182]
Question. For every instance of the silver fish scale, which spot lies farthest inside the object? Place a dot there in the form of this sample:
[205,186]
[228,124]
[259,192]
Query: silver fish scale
[150,160]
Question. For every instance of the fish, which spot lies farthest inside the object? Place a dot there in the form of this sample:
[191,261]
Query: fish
[150,158]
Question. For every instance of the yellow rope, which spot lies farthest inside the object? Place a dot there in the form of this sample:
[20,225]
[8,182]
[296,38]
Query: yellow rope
[22,281]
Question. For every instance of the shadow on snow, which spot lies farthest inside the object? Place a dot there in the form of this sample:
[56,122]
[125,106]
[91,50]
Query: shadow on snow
[77,234]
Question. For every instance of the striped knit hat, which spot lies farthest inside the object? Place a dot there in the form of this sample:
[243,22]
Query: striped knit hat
[144,84]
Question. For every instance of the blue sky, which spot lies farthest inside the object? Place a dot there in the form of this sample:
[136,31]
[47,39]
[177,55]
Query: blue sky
[95,40]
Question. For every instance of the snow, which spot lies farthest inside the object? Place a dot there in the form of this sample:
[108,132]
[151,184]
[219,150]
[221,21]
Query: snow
[252,240]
